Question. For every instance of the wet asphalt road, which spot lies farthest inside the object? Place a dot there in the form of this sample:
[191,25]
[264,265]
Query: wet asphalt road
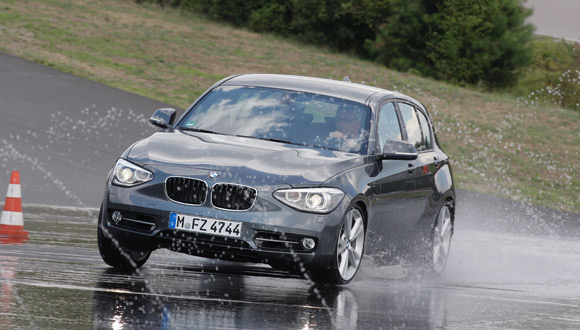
[63,133]
[494,280]
[512,266]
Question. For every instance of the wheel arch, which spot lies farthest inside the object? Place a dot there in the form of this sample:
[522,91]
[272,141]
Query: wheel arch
[362,203]
[450,198]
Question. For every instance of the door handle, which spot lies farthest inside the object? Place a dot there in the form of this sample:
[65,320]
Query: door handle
[411,167]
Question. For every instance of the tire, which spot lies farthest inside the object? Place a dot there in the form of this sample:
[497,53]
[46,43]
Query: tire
[429,259]
[348,252]
[115,254]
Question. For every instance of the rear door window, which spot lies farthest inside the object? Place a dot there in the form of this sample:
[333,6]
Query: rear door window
[389,128]
[412,126]
[426,130]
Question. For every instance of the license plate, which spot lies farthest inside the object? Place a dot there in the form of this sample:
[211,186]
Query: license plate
[197,224]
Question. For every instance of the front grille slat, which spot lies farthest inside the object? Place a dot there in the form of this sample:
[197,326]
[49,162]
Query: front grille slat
[186,190]
[223,195]
[238,198]
[233,197]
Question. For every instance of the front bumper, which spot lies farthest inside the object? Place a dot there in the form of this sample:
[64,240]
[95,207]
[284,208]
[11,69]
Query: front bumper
[271,231]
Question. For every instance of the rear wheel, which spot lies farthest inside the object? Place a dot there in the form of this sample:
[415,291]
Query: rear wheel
[117,255]
[442,232]
[349,250]
[430,258]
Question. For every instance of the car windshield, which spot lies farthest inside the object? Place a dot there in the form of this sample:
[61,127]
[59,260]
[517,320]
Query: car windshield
[282,116]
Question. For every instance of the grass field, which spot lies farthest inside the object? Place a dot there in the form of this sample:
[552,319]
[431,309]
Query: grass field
[499,144]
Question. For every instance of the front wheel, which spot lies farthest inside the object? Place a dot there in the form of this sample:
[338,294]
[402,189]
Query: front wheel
[115,254]
[349,250]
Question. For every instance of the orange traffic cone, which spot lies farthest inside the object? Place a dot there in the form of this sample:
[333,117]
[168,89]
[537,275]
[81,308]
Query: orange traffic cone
[12,224]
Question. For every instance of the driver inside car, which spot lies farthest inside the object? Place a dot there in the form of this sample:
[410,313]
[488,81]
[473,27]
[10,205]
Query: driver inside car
[348,128]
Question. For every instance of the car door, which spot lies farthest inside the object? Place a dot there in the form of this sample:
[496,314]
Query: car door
[392,206]
[419,133]
[428,164]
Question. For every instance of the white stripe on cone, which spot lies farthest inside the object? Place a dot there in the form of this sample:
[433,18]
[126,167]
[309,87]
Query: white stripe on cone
[14,191]
[11,218]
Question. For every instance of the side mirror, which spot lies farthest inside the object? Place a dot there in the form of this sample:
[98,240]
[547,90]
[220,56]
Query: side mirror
[163,118]
[396,149]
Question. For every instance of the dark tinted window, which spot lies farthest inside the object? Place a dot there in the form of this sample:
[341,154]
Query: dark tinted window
[388,125]
[412,126]
[426,130]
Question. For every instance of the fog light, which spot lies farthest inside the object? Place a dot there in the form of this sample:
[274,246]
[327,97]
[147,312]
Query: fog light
[308,243]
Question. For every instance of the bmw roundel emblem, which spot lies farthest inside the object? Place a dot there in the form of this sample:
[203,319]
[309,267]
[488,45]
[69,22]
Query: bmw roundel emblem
[117,217]
[213,174]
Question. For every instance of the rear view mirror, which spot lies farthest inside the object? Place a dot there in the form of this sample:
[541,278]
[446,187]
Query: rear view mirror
[396,149]
[163,117]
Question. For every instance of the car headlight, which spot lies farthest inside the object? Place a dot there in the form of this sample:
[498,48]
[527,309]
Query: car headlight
[317,200]
[128,174]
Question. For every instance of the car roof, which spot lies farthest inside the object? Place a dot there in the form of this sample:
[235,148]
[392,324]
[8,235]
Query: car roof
[335,88]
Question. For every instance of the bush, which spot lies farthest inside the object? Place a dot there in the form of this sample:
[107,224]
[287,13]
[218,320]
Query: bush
[237,12]
[274,16]
[320,22]
[554,75]
[461,41]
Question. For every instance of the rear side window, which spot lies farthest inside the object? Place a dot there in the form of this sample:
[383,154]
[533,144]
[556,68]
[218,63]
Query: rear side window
[414,134]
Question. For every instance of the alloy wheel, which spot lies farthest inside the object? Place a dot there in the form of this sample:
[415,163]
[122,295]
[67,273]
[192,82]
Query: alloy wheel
[442,239]
[349,251]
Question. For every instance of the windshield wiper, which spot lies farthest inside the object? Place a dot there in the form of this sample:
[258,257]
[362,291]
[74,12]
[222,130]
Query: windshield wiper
[266,139]
[200,130]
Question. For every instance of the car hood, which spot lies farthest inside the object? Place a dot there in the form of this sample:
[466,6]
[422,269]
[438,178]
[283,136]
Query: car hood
[270,161]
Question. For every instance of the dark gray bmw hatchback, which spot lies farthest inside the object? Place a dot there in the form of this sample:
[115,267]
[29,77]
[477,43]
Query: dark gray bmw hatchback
[308,175]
